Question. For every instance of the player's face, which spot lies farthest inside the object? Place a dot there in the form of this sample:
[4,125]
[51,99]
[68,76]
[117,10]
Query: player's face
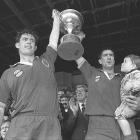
[26,45]
[127,65]
[107,59]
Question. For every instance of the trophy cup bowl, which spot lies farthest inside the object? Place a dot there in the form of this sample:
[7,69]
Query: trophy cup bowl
[70,47]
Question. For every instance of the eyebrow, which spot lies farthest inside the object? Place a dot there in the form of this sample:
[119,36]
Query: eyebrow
[110,54]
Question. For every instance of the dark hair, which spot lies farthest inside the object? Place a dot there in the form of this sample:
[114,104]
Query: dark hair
[135,59]
[104,49]
[81,86]
[64,96]
[27,31]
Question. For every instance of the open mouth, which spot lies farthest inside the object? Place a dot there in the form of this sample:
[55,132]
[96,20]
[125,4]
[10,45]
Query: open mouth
[27,46]
[109,62]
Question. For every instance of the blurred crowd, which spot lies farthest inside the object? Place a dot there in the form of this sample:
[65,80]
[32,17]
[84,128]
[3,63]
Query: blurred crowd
[71,113]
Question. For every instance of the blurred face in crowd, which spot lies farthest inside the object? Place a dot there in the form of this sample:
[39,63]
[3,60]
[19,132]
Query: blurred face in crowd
[65,102]
[59,94]
[107,59]
[127,65]
[80,93]
[4,128]
[73,100]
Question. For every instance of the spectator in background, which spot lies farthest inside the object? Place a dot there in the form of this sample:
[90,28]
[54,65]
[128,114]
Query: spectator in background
[64,102]
[68,115]
[81,95]
[4,128]
[59,94]
[81,121]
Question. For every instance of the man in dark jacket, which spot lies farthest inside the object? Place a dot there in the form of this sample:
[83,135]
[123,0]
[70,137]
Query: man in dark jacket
[81,121]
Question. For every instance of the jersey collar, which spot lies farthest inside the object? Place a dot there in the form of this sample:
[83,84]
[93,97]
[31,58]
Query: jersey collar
[107,75]
[24,63]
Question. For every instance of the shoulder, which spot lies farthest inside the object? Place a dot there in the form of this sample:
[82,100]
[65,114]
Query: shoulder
[6,72]
[136,74]
[10,71]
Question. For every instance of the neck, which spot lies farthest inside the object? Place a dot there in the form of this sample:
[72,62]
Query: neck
[81,101]
[29,59]
[109,71]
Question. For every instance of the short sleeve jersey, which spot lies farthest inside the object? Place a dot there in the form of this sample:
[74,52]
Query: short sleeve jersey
[31,88]
[103,93]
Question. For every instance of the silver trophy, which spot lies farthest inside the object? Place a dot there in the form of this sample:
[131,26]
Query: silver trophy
[70,47]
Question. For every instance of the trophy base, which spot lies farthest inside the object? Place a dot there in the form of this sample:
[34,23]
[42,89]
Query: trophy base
[70,50]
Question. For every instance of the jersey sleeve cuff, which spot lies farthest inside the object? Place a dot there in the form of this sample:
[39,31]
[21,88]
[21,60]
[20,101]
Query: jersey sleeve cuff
[54,47]
[80,62]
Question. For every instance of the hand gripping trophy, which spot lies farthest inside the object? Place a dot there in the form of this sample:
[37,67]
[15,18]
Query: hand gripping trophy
[70,47]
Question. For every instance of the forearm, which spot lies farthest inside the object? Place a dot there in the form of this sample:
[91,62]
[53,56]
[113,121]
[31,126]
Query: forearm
[84,66]
[125,126]
[54,36]
[80,61]
[133,102]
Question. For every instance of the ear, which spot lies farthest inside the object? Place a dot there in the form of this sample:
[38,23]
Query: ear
[17,45]
[134,66]
[100,62]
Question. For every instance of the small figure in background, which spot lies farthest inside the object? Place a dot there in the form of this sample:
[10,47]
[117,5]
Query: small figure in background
[81,122]
[4,127]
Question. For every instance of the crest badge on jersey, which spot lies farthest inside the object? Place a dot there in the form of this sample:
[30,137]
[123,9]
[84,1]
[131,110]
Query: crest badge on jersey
[97,78]
[45,63]
[18,73]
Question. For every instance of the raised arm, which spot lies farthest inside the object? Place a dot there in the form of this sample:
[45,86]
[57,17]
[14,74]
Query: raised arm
[54,37]
[85,67]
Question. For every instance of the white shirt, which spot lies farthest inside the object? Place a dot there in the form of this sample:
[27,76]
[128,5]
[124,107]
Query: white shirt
[80,105]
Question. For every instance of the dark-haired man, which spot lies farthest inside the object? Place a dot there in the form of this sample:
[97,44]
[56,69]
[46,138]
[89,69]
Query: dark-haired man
[81,121]
[103,98]
[31,86]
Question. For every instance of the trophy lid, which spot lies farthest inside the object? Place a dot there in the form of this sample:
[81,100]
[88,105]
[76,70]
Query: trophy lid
[71,17]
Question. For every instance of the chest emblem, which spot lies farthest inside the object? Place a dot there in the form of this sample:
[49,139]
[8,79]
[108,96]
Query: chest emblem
[97,78]
[18,73]
[45,63]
